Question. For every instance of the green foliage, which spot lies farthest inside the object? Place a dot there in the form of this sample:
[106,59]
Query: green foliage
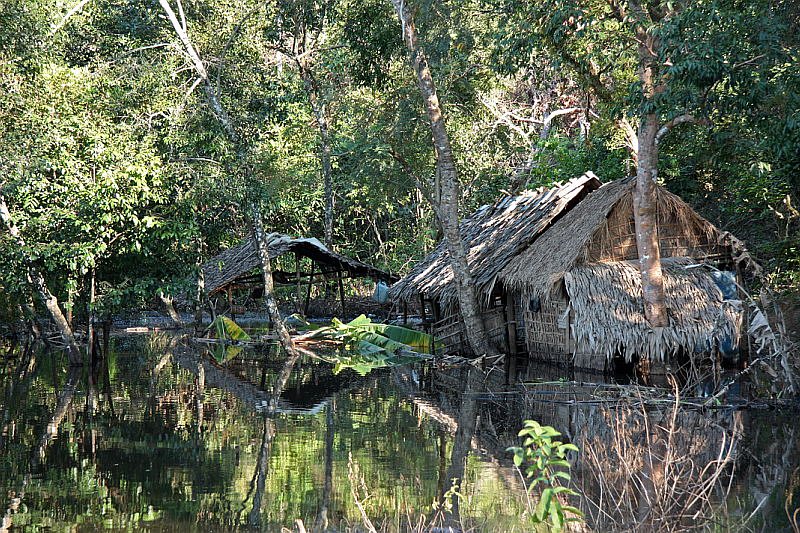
[544,461]
[228,330]
[113,160]
[369,337]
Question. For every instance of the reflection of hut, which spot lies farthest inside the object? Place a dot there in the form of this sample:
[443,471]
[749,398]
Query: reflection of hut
[309,262]
[556,271]
[494,235]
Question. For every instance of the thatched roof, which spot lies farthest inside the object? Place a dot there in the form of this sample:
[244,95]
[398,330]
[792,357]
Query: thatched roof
[242,259]
[541,268]
[607,301]
[493,236]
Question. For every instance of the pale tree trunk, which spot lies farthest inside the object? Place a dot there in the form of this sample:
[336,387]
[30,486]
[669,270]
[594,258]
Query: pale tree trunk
[169,305]
[321,119]
[269,297]
[200,290]
[230,130]
[36,280]
[645,203]
[446,204]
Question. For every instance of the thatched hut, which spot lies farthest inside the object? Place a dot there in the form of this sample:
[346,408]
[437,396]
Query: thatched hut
[310,262]
[556,272]
[578,290]
[494,235]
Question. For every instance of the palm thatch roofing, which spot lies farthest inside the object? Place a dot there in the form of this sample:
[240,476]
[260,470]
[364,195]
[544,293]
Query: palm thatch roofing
[539,269]
[493,236]
[607,301]
[239,261]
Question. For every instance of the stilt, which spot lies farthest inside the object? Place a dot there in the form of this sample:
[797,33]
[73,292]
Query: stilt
[297,273]
[341,290]
[422,313]
[308,292]
[230,304]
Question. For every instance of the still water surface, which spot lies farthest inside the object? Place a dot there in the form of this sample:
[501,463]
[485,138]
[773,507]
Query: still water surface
[143,443]
[160,438]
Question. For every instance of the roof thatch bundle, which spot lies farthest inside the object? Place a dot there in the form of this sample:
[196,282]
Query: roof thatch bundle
[242,259]
[601,225]
[493,236]
[607,301]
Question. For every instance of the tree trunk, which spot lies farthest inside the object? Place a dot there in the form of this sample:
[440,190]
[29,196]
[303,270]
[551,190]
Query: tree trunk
[645,215]
[36,280]
[228,126]
[269,297]
[169,305]
[198,298]
[645,204]
[446,204]
[321,118]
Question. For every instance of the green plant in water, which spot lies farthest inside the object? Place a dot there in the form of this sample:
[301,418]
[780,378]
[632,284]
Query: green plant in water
[227,330]
[369,345]
[544,459]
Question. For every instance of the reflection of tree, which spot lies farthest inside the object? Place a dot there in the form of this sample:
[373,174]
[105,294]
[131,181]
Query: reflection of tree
[254,518]
[64,400]
[322,517]
[462,443]
[260,476]
[16,389]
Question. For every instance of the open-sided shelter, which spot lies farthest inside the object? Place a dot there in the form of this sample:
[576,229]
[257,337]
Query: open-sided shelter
[239,267]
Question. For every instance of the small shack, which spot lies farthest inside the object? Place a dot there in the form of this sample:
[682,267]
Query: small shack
[494,235]
[298,262]
[578,291]
[557,276]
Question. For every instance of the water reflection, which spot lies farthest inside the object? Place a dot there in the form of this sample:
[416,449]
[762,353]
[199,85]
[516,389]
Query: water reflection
[159,434]
[164,436]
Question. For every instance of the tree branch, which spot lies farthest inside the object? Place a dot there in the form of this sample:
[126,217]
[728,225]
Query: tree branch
[680,119]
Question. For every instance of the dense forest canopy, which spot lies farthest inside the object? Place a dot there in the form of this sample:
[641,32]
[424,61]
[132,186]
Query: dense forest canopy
[135,135]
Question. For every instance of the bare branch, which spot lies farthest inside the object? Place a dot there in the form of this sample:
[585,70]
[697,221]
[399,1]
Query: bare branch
[680,119]
[547,123]
[69,14]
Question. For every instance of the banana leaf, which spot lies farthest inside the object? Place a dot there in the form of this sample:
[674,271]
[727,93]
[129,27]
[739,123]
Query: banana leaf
[364,364]
[227,329]
[225,352]
[412,339]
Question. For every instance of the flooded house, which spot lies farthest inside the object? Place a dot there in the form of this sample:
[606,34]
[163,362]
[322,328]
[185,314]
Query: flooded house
[559,279]
[494,235]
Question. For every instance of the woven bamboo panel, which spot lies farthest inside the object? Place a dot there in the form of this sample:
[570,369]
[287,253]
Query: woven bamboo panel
[679,236]
[545,334]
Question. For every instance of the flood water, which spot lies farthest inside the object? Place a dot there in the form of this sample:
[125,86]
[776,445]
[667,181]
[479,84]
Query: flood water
[160,437]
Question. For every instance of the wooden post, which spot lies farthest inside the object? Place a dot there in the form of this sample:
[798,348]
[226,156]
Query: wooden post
[230,304]
[511,323]
[297,272]
[405,313]
[341,290]
[310,283]
[422,313]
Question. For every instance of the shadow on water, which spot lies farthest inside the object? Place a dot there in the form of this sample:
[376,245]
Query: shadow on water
[161,435]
